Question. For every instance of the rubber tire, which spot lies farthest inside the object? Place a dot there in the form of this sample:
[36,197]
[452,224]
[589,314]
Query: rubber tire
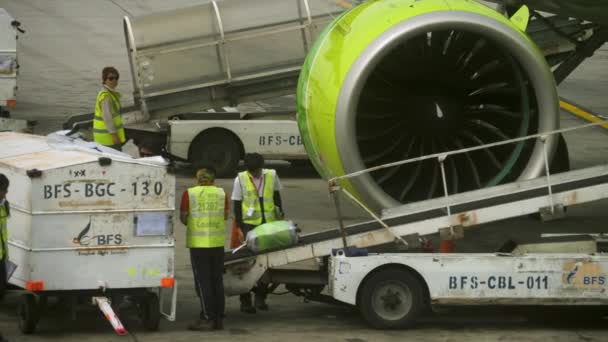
[405,279]
[150,312]
[218,149]
[28,313]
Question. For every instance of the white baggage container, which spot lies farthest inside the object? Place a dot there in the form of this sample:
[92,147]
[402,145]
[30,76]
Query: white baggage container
[93,223]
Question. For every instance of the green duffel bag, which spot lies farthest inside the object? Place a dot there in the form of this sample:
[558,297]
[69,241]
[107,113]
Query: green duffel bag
[273,235]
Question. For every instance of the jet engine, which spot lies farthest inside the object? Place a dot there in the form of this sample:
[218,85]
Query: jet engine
[391,80]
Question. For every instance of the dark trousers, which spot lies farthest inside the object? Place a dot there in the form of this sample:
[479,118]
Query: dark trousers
[259,290]
[208,268]
[3,280]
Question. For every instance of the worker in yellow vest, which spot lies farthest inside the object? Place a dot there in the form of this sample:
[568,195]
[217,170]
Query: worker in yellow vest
[204,209]
[4,212]
[107,123]
[256,200]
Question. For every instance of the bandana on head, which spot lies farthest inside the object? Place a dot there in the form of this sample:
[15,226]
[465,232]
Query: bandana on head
[204,176]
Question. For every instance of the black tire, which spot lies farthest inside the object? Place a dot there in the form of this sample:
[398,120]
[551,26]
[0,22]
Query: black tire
[150,312]
[219,149]
[391,299]
[28,313]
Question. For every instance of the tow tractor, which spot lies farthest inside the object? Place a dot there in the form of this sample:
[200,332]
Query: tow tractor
[9,70]
[393,289]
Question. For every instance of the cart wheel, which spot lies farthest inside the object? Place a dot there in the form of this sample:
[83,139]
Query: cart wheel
[27,313]
[391,299]
[150,311]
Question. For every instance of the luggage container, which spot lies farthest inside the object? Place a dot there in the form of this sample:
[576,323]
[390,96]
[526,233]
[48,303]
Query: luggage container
[88,224]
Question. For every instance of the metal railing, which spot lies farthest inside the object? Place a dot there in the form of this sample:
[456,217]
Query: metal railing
[308,22]
[334,186]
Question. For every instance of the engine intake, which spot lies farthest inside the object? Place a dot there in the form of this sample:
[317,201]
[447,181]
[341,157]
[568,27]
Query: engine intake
[393,80]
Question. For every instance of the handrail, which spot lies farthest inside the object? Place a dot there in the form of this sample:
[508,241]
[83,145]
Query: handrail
[464,150]
[441,157]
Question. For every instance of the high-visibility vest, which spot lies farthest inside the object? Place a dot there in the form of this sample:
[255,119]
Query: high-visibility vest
[100,131]
[251,198]
[206,223]
[3,233]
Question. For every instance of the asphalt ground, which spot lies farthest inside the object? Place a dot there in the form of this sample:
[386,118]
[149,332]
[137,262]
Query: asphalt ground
[68,42]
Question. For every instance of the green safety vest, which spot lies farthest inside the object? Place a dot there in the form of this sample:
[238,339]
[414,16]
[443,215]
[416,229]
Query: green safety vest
[206,222]
[100,131]
[251,198]
[3,233]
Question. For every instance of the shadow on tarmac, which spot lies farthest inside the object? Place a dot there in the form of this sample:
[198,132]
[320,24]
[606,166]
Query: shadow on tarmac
[324,317]
[284,170]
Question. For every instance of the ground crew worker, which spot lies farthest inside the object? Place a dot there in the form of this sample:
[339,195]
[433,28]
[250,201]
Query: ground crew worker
[107,123]
[4,213]
[204,209]
[257,200]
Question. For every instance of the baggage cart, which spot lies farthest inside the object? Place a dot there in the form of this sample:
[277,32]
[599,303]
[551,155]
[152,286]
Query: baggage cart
[87,223]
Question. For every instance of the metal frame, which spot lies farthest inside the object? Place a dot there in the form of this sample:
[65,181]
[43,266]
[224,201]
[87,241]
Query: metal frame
[171,314]
[582,52]
[222,44]
[441,157]
[132,52]
[428,217]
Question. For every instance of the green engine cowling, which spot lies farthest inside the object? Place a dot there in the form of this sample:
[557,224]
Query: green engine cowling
[397,79]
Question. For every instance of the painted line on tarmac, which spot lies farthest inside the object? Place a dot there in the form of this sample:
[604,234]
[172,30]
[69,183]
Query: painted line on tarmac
[581,112]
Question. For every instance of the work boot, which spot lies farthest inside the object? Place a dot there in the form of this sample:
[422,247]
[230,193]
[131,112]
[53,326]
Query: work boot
[202,325]
[260,303]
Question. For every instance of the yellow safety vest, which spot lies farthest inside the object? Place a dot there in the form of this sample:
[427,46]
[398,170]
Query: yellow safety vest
[251,198]
[100,131]
[206,223]
[3,233]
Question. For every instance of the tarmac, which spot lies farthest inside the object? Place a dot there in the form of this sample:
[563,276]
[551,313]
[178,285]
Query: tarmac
[66,44]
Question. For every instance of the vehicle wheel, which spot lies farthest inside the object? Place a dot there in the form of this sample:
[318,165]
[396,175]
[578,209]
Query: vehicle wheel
[218,149]
[150,311]
[391,299]
[27,313]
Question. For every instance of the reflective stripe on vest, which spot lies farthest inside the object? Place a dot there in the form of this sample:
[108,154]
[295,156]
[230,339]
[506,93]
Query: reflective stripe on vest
[251,198]
[100,131]
[206,223]
[3,233]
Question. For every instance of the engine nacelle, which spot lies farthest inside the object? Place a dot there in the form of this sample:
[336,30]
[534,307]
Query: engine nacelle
[396,79]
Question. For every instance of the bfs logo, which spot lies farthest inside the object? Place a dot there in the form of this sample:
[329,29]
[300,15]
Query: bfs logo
[85,239]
